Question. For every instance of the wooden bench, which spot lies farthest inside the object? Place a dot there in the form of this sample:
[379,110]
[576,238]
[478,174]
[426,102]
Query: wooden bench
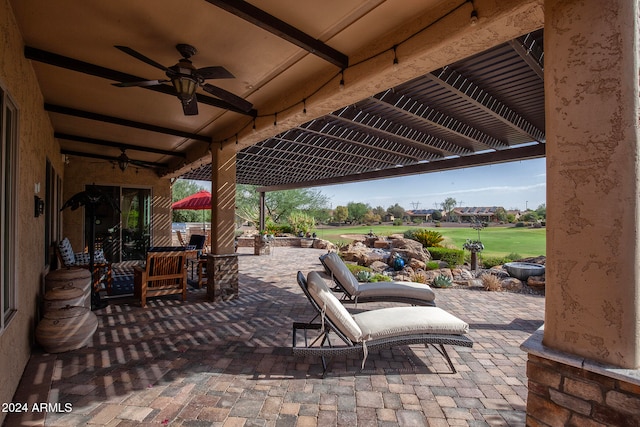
[165,273]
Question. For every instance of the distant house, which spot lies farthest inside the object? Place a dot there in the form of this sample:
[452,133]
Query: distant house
[423,215]
[471,214]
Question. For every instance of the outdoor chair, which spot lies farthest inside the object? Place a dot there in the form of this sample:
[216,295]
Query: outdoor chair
[165,273]
[353,291]
[101,267]
[180,238]
[374,329]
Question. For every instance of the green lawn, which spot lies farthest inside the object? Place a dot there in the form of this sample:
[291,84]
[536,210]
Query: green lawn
[498,241]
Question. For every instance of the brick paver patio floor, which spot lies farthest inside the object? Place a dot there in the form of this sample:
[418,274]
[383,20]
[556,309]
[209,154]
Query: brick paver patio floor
[199,363]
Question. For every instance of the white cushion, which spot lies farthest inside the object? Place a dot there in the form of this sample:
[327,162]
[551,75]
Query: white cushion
[412,290]
[340,271]
[398,321]
[66,252]
[334,310]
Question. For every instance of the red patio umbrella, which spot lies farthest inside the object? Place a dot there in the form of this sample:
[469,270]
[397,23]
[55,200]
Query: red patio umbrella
[198,201]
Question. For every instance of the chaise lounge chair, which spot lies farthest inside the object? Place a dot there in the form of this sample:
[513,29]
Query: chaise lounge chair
[369,330]
[354,291]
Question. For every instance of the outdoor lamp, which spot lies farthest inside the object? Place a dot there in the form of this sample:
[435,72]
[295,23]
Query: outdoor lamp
[185,86]
[182,79]
[123,161]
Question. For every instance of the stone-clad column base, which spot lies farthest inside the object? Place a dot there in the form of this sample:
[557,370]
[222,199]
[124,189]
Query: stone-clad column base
[566,390]
[222,277]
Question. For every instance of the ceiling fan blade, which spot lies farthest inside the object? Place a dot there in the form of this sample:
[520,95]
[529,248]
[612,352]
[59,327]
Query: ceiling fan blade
[190,107]
[142,83]
[142,58]
[229,97]
[215,73]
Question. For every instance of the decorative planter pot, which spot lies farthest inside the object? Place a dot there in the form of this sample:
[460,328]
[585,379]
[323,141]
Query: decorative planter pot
[77,277]
[61,297]
[66,329]
[522,270]
[306,243]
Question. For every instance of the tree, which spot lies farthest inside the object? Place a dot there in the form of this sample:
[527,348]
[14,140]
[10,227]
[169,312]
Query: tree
[278,204]
[436,215]
[370,217]
[501,214]
[396,210]
[541,211]
[179,190]
[341,214]
[448,205]
[380,211]
[357,211]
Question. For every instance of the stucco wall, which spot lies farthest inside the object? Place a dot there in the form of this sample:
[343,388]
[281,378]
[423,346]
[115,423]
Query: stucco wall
[81,171]
[36,144]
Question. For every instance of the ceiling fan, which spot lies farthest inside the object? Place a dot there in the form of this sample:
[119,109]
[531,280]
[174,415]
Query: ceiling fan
[186,79]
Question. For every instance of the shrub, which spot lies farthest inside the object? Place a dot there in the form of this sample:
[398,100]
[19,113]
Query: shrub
[488,262]
[490,282]
[452,257]
[366,274]
[514,256]
[442,281]
[301,222]
[520,224]
[397,222]
[432,265]
[428,238]
[419,278]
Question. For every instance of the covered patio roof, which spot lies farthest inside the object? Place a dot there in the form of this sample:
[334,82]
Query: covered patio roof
[289,62]
[485,109]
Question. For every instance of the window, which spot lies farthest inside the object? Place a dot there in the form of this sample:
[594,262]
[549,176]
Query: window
[8,198]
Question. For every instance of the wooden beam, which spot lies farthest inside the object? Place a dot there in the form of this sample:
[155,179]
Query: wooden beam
[115,159]
[503,156]
[119,145]
[270,23]
[123,122]
[117,76]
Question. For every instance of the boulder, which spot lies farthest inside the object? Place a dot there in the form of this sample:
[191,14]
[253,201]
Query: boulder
[354,251]
[368,258]
[417,264]
[511,284]
[382,244]
[462,276]
[378,266]
[324,244]
[537,282]
[409,249]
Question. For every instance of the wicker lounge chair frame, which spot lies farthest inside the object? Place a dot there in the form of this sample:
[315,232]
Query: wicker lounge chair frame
[390,297]
[322,346]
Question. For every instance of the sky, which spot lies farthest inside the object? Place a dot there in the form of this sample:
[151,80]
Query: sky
[513,185]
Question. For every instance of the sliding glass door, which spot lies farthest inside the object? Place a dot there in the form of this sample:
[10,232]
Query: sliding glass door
[123,227]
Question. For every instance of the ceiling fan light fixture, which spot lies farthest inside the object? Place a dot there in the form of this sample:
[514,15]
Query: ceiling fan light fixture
[185,86]
[123,161]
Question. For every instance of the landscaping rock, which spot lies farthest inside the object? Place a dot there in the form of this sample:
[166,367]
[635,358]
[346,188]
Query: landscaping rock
[382,244]
[408,249]
[378,266]
[417,264]
[537,282]
[511,284]
[368,258]
[324,244]
[354,251]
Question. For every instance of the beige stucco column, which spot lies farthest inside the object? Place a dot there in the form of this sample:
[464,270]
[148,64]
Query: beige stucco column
[593,275]
[223,199]
[583,366]
[222,263]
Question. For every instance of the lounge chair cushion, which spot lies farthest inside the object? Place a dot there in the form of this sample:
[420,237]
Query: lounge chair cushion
[334,310]
[338,268]
[410,290]
[399,321]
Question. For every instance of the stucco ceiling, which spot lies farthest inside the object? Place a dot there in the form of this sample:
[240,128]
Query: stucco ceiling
[282,52]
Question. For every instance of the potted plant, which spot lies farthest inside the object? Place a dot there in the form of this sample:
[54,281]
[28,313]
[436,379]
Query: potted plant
[301,224]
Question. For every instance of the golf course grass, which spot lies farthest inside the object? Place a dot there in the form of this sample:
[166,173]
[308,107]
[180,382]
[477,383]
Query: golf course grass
[498,241]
